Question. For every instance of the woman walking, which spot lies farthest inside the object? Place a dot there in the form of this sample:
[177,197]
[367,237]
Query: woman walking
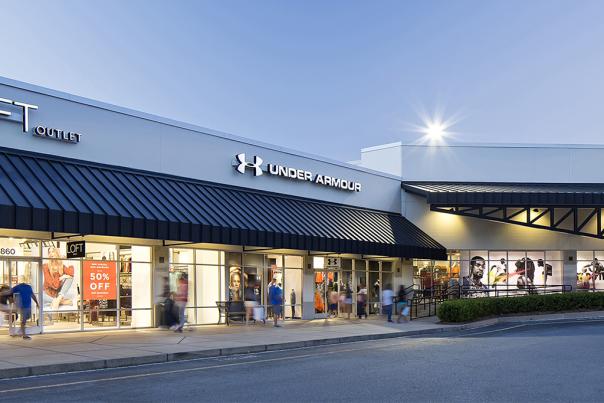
[404,303]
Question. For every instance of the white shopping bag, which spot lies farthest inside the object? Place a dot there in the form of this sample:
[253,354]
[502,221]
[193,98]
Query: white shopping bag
[406,311]
[259,313]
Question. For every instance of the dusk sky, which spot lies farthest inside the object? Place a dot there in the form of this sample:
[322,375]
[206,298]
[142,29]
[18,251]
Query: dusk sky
[325,77]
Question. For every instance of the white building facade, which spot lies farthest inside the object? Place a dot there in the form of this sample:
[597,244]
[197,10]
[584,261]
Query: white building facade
[458,194]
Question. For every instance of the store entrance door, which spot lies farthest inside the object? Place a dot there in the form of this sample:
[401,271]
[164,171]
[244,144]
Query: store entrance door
[327,293]
[14,271]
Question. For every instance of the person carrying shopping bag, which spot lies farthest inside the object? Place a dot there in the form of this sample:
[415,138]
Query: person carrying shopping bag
[404,303]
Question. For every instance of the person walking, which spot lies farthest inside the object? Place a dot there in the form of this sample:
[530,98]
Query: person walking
[348,301]
[275,296]
[22,295]
[180,299]
[401,303]
[387,296]
[361,300]
[249,298]
[292,302]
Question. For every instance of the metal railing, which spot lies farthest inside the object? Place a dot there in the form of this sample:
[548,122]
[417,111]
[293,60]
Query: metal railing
[425,301]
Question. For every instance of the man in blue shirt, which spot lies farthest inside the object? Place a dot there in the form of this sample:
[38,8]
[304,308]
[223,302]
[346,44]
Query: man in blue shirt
[275,296]
[22,295]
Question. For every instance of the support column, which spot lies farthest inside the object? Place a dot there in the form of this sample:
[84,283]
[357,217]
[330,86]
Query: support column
[160,276]
[569,270]
[308,290]
[407,272]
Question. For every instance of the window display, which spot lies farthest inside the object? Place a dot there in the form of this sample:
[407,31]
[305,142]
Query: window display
[513,270]
[61,280]
[590,270]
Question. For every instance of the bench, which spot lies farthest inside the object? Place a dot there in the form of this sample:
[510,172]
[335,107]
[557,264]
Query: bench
[230,310]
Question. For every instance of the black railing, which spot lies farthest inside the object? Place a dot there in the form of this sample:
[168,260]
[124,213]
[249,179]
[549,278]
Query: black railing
[426,301]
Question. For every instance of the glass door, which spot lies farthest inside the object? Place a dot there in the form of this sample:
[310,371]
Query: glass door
[327,293]
[15,271]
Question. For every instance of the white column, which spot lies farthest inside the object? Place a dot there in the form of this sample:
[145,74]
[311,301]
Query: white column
[308,289]
[160,274]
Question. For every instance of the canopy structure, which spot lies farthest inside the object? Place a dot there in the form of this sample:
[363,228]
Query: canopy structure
[47,193]
[570,208]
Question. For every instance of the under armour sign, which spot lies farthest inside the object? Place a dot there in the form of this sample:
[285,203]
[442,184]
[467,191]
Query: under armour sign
[243,164]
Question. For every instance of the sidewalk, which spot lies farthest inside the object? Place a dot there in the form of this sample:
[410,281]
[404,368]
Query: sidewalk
[51,353]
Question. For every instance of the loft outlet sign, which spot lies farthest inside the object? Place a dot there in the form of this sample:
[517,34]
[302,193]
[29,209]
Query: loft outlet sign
[17,111]
[257,167]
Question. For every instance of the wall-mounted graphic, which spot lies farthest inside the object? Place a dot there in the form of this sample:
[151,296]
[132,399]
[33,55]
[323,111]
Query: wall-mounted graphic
[60,281]
[235,283]
[508,269]
[590,274]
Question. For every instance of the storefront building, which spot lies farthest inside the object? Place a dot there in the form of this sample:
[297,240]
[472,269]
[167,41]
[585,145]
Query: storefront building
[104,210]
[512,216]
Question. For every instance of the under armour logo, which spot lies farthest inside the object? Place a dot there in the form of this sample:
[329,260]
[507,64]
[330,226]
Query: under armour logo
[242,164]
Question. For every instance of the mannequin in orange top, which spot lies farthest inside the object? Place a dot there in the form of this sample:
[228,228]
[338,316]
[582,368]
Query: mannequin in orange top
[319,304]
[58,281]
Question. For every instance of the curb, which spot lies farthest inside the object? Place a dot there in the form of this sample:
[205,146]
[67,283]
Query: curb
[188,355]
[223,352]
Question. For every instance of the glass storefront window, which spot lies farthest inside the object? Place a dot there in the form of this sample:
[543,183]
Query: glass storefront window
[360,265]
[19,247]
[182,256]
[61,283]
[521,271]
[293,293]
[209,280]
[374,293]
[208,257]
[101,251]
[293,262]
[346,264]
[109,287]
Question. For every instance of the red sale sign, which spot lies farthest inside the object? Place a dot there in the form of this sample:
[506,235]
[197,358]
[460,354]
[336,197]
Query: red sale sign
[100,280]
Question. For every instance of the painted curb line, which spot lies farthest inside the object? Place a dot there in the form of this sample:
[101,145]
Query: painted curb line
[20,372]
[188,355]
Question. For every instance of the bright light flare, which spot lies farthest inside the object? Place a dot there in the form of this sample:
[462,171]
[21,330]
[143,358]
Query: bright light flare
[435,128]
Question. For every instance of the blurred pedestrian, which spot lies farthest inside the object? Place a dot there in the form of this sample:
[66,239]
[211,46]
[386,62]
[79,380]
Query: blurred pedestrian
[275,296]
[22,295]
[171,319]
[333,304]
[348,301]
[387,297]
[249,298]
[401,302]
[361,301]
[292,302]
[180,299]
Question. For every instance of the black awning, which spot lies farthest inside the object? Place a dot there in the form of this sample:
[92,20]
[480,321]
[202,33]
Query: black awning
[564,207]
[509,194]
[44,193]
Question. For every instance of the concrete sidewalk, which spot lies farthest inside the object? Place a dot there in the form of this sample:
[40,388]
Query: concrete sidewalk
[65,352]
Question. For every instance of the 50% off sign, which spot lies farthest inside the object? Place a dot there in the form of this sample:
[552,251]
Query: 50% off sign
[100,280]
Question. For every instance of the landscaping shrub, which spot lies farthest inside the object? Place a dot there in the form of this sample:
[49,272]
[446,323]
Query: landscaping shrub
[464,310]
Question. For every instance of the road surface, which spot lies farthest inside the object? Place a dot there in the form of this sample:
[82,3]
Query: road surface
[503,363]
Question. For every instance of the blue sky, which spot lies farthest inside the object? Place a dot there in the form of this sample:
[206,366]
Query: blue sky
[326,77]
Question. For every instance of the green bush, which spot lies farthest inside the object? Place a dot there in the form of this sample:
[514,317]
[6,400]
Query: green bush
[465,310]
